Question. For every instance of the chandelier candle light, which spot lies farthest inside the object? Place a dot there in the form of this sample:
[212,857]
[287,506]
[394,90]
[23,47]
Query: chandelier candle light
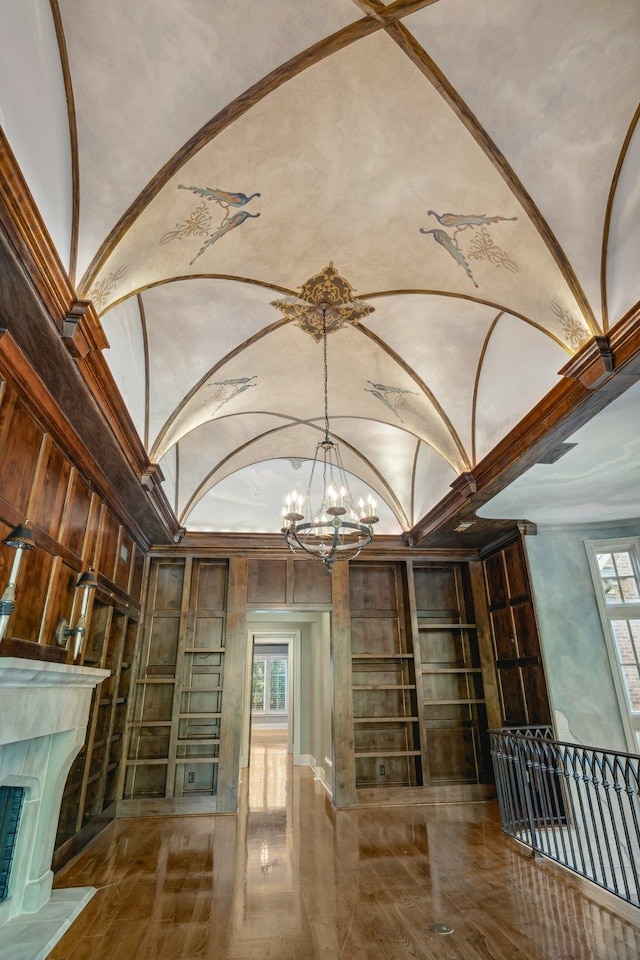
[333,528]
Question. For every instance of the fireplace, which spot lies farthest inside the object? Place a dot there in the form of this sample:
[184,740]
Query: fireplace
[44,709]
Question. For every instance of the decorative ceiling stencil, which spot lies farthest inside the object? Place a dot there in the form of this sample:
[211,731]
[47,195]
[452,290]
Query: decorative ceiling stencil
[479,246]
[485,205]
[202,221]
[326,302]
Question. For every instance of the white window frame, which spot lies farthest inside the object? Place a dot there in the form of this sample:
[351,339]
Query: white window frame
[617,611]
[269,658]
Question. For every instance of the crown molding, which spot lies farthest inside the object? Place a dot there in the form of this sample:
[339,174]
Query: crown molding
[602,370]
[40,369]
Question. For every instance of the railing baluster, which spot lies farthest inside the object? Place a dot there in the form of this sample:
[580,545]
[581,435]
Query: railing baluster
[577,805]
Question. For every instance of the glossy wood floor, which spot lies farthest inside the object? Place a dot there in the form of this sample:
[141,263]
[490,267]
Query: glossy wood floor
[290,879]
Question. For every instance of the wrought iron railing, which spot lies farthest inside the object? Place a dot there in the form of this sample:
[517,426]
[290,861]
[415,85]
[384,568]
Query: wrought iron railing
[577,805]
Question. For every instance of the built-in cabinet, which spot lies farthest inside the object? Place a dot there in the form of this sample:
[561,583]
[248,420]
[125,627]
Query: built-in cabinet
[385,712]
[414,677]
[516,647]
[92,785]
[173,747]
[448,660]
[419,711]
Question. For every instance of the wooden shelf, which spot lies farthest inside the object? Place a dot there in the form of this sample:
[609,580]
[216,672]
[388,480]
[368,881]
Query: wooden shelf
[157,680]
[388,753]
[202,689]
[385,719]
[150,723]
[382,656]
[197,741]
[149,762]
[429,670]
[384,686]
[444,626]
[198,716]
[190,760]
[204,649]
[461,702]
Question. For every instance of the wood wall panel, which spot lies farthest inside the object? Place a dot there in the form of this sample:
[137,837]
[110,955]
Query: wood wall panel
[311,583]
[39,482]
[60,600]
[267,581]
[20,442]
[108,544]
[522,684]
[31,594]
[124,560]
[167,594]
[209,586]
[137,572]
[50,494]
[75,525]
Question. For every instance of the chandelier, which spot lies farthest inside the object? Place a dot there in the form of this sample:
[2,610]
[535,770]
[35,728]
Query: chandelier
[328,525]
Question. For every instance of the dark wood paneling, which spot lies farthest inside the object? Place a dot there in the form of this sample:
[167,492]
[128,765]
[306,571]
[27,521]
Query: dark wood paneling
[516,571]
[135,588]
[108,544]
[60,603]
[76,517]
[163,646]
[523,693]
[311,583]
[31,595]
[209,586]
[267,581]
[373,586]
[168,587]
[20,442]
[49,497]
[124,560]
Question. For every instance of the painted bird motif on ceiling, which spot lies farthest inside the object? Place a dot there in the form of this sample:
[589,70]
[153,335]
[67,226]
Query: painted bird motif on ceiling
[229,223]
[461,221]
[198,223]
[457,222]
[452,248]
[222,197]
[392,397]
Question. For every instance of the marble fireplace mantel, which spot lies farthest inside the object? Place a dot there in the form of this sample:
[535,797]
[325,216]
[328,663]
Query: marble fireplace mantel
[44,708]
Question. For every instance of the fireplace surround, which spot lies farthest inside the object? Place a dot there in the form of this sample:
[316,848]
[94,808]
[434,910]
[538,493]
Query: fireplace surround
[44,708]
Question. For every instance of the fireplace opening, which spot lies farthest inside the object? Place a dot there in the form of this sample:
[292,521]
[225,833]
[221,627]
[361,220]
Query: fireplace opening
[10,807]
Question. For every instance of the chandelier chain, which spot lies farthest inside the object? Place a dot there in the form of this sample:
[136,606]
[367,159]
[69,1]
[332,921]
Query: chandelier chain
[326,374]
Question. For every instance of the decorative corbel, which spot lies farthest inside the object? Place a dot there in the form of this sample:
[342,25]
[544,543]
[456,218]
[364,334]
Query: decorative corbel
[82,331]
[592,364]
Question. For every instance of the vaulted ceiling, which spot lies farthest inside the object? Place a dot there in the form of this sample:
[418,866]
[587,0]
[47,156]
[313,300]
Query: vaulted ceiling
[470,168]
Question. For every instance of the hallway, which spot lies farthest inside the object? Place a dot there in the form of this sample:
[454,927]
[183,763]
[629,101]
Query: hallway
[289,878]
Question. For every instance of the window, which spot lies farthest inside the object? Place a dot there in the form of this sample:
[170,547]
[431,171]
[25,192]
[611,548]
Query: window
[269,684]
[616,569]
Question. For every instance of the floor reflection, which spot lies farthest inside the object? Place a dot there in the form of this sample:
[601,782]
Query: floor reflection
[268,839]
[291,878]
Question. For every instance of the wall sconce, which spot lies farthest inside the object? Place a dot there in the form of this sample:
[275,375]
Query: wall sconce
[86,582]
[20,538]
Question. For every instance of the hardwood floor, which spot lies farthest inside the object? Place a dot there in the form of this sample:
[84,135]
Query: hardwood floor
[289,878]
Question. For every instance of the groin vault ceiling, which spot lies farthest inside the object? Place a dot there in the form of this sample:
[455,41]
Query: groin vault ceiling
[469,167]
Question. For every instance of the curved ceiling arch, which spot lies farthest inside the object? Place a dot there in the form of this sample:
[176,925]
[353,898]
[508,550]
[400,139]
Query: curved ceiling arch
[299,450]
[486,207]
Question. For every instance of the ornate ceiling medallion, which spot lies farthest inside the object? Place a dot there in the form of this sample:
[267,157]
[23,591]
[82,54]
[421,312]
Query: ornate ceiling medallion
[326,299]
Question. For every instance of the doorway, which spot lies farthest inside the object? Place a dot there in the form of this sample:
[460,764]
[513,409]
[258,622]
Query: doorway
[271,688]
